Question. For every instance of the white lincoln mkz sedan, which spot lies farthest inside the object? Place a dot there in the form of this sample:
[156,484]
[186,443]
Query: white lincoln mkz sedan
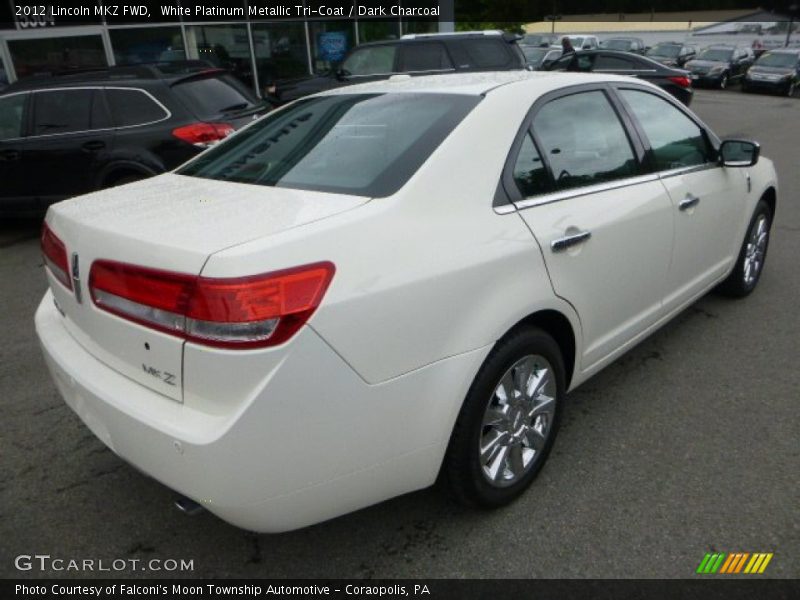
[384,284]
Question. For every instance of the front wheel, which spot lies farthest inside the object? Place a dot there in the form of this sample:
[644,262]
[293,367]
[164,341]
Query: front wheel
[723,82]
[752,255]
[791,88]
[508,422]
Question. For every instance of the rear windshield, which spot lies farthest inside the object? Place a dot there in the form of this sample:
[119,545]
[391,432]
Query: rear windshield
[360,144]
[667,50]
[214,96]
[715,54]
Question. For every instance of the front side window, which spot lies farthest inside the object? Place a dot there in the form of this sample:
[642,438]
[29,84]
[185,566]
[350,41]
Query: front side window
[584,140]
[11,110]
[62,111]
[675,140]
[361,144]
[377,60]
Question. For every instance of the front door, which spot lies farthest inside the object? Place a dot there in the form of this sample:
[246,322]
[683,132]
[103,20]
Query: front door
[706,198]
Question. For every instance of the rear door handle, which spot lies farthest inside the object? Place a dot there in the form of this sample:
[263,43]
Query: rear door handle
[688,202]
[570,240]
[9,155]
[94,146]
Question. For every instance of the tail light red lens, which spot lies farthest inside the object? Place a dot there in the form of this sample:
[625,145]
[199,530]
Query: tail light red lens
[54,253]
[681,80]
[203,135]
[247,312]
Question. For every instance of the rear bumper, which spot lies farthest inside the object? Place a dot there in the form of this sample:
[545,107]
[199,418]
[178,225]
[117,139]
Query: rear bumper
[310,445]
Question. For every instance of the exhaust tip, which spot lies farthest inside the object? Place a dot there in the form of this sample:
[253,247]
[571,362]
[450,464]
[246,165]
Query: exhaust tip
[188,506]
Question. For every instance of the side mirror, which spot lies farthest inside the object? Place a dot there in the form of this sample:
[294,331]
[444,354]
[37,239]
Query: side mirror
[739,153]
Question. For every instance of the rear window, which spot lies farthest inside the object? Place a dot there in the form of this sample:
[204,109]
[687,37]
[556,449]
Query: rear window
[425,57]
[486,54]
[361,144]
[214,96]
[133,107]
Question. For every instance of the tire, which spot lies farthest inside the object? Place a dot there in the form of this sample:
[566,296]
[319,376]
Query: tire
[752,255]
[791,89]
[516,436]
[723,82]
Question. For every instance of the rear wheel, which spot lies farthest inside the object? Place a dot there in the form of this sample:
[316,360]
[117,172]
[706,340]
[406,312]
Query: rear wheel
[508,422]
[752,255]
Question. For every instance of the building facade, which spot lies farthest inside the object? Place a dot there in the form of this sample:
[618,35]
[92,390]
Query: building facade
[259,51]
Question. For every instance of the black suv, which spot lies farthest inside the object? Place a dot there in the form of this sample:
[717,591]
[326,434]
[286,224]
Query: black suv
[420,54]
[721,64]
[61,136]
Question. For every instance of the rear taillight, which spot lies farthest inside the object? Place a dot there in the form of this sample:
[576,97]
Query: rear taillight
[203,135]
[246,312]
[681,80]
[54,253]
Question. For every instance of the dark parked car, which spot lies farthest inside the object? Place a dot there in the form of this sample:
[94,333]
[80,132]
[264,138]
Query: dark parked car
[61,136]
[674,81]
[538,57]
[423,54]
[672,54]
[624,44]
[718,66]
[777,70]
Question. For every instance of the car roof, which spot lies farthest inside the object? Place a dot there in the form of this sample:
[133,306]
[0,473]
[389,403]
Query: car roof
[134,75]
[474,84]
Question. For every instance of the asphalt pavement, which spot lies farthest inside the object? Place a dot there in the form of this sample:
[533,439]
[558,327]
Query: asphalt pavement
[688,444]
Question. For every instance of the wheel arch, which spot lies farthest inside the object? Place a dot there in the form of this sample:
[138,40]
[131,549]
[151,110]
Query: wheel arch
[557,325]
[770,196]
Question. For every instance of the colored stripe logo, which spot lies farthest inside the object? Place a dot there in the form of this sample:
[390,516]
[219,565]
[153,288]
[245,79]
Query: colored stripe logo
[734,563]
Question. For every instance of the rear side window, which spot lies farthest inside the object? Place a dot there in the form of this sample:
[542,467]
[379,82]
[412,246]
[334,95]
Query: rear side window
[361,144]
[210,97]
[62,111]
[530,174]
[613,63]
[133,107]
[584,140]
[484,54]
[425,57]
[675,140]
[376,60]
[12,109]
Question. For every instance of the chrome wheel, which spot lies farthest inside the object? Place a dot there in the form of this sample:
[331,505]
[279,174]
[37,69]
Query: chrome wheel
[723,83]
[517,421]
[756,250]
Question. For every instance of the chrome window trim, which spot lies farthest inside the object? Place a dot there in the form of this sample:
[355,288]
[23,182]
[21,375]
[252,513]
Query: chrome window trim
[684,170]
[167,112]
[583,191]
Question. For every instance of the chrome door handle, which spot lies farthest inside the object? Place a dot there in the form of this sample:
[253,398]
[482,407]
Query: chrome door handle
[570,240]
[688,202]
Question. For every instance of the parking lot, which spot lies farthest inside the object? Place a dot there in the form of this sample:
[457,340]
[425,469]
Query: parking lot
[686,445]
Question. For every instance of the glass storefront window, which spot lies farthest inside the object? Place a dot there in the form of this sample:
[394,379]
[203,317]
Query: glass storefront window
[153,44]
[420,27]
[281,52]
[376,31]
[224,46]
[56,54]
[330,43]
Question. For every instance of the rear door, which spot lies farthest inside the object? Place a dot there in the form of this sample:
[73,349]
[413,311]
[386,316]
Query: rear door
[15,183]
[604,228]
[706,198]
[70,135]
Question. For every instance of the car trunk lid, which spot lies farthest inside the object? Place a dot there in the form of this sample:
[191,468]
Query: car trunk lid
[172,223]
